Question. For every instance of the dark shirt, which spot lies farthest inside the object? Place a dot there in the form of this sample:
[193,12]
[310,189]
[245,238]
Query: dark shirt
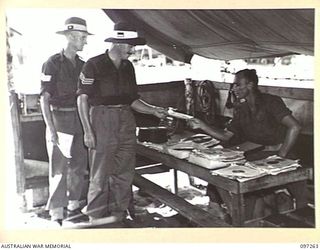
[107,85]
[59,78]
[264,127]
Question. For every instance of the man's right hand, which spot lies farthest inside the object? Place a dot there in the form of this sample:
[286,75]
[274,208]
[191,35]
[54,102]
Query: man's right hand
[195,123]
[89,139]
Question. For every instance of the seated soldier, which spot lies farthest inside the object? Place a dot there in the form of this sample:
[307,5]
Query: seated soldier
[258,117]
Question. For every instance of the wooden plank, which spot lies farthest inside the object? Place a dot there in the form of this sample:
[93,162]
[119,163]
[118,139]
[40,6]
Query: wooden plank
[154,87]
[283,221]
[32,117]
[306,215]
[287,92]
[36,168]
[193,213]
[17,140]
[36,197]
[275,180]
[189,168]
[164,94]
[292,93]
[152,169]
[37,182]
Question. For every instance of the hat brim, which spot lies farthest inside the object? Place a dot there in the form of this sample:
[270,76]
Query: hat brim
[131,41]
[63,32]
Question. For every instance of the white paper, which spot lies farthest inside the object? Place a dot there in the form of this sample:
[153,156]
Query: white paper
[65,143]
[179,115]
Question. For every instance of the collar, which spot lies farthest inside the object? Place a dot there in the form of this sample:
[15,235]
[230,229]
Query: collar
[107,54]
[63,57]
[258,101]
[124,62]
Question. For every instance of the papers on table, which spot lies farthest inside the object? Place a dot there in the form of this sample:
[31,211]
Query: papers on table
[214,158]
[271,165]
[65,143]
[203,151]
[241,172]
[179,153]
[200,149]
[274,164]
[197,141]
[201,139]
[182,148]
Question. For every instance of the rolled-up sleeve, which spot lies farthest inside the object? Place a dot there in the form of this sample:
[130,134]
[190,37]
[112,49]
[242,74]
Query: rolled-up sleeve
[48,78]
[278,108]
[86,80]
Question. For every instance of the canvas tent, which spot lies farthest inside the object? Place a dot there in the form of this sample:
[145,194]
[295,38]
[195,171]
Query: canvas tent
[223,34]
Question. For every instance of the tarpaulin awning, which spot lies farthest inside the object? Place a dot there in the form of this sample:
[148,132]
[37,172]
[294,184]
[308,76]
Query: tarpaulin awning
[223,34]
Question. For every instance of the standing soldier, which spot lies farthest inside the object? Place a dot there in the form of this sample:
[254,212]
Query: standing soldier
[108,93]
[58,103]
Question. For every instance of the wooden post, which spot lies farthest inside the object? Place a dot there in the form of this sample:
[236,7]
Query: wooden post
[16,125]
[17,140]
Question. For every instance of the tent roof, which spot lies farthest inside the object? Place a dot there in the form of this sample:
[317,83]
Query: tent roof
[223,34]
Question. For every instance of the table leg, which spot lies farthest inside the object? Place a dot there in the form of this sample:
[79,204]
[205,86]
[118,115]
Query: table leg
[236,206]
[175,181]
[299,191]
[250,205]
[237,209]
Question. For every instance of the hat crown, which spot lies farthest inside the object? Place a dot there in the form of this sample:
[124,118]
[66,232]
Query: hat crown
[75,20]
[74,24]
[124,26]
[125,33]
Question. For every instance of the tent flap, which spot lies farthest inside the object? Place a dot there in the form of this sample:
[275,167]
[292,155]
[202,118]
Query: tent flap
[223,34]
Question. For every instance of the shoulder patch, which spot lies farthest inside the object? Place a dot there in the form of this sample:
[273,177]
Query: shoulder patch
[85,80]
[45,78]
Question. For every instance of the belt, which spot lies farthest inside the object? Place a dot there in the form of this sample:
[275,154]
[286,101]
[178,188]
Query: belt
[62,109]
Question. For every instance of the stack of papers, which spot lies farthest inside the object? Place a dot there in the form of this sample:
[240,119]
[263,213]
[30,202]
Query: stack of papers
[182,148]
[274,164]
[214,158]
[179,153]
[240,172]
[197,141]
[200,141]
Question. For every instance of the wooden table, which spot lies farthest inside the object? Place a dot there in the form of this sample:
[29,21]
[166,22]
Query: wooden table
[234,189]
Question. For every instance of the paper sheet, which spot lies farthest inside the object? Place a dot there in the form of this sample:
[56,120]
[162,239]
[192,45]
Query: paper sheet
[179,115]
[65,143]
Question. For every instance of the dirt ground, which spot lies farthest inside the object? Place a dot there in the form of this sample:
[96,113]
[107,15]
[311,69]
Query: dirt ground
[151,213]
[148,212]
